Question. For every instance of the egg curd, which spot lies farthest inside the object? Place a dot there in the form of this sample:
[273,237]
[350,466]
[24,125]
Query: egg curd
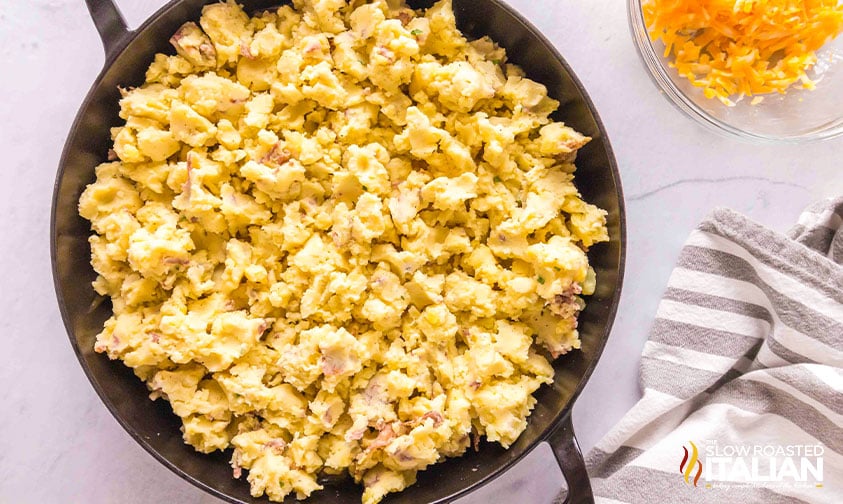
[340,237]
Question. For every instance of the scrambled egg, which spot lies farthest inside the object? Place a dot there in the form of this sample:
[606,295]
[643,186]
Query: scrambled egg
[340,237]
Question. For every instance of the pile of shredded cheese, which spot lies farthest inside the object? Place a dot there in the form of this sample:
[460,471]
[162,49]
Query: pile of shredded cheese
[743,47]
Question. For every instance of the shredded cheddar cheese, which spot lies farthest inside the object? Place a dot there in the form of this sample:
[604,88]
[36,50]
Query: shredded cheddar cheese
[743,47]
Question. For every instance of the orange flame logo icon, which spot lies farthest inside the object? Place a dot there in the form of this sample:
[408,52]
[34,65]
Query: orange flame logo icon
[686,467]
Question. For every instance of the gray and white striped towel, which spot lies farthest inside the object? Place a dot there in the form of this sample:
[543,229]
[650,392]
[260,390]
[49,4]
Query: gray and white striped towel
[745,360]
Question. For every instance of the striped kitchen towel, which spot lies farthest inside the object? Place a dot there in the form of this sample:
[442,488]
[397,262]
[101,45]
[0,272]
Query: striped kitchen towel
[742,375]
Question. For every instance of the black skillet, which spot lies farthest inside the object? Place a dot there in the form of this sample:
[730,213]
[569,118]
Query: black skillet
[153,425]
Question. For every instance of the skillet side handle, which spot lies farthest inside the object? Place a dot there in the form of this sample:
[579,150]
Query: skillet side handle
[110,24]
[570,460]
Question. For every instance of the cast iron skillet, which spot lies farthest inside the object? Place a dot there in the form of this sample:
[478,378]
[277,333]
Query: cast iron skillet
[153,425]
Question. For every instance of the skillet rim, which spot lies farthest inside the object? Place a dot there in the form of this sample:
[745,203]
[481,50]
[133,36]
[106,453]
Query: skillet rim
[554,425]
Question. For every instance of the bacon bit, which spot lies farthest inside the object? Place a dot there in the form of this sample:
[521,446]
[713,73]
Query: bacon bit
[371,478]
[386,53]
[338,239]
[565,304]
[194,45]
[313,47]
[155,337]
[277,445]
[385,436]
[405,17]
[246,51]
[355,435]
[331,366]
[403,456]
[207,50]
[277,155]
[374,391]
[435,415]
[475,384]
[236,469]
[115,340]
[176,260]
[112,155]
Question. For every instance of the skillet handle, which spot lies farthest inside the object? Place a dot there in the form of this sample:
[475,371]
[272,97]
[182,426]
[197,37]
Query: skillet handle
[110,24]
[570,460]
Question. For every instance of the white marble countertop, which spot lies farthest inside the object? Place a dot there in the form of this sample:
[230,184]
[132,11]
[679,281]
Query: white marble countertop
[59,444]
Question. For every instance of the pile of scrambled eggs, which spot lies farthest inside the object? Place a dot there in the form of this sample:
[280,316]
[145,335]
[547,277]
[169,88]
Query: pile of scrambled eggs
[340,237]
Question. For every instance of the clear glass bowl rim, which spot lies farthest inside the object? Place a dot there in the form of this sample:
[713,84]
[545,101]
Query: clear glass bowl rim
[659,75]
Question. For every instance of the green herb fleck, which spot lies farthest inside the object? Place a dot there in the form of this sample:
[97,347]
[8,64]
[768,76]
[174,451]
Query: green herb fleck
[365,188]
[541,280]
[496,61]
[556,268]
[416,32]
[497,179]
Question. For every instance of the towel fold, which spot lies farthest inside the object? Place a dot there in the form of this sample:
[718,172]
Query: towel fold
[742,375]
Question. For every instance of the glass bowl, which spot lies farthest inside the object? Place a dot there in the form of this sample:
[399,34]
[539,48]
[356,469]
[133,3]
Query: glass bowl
[797,116]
